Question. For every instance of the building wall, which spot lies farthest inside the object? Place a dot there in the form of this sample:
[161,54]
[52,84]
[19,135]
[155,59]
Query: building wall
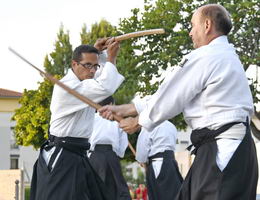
[7,184]
[184,160]
[5,138]
[26,155]
[183,140]
[8,104]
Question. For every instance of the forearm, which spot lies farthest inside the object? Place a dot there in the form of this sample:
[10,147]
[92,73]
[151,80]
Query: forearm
[127,110]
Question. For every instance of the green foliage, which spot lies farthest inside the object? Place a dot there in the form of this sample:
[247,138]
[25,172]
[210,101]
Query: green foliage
[129,156]
[140,177]
[27,193]
[98,30]
[245,34]
[33,117]
[128,174]
[60,59]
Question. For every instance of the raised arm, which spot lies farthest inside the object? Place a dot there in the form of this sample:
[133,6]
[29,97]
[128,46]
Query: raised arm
[112,47]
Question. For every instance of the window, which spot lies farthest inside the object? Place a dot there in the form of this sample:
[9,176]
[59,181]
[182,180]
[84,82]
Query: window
[184,142]
[14,161]
[13,145]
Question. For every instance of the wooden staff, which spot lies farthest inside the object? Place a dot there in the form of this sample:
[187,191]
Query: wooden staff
[135,34]
[139,34]
[72,92]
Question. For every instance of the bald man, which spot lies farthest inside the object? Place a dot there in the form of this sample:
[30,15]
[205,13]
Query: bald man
[211,90]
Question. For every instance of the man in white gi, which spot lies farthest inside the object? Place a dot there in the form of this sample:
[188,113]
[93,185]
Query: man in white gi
[156,150]
[108,144]
[211,90]
[63,171]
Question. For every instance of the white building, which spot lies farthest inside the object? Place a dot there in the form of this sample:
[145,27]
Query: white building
[11,155]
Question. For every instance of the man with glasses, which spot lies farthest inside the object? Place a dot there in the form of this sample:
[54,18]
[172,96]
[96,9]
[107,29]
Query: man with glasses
[62,170]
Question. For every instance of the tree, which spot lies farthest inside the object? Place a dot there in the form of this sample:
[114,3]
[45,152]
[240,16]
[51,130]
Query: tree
[33,117]
[98,30]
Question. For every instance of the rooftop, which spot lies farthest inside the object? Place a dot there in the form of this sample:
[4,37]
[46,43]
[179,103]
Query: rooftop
[4,93]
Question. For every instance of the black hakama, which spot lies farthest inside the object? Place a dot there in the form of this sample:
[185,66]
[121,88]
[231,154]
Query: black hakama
[72,177]
[205,181]
[107,165]
[167,184]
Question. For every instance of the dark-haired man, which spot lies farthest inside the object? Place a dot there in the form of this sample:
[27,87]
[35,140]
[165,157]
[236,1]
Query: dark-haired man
[62,170]
[108,144]
[211,90]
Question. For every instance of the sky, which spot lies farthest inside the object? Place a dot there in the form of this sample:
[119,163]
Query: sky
[31,26]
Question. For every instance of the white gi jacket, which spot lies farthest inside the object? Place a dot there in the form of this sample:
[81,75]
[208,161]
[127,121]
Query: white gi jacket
[108,132]
[72,117]
[161,138]
[211,90]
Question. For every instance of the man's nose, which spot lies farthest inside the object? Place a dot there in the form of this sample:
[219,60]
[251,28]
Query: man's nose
[93,70]
[190,34]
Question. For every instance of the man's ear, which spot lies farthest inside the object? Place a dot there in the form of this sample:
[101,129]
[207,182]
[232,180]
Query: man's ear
[73,64]
[208,26]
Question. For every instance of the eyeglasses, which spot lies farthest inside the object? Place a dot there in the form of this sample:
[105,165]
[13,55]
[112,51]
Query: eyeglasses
[90,66]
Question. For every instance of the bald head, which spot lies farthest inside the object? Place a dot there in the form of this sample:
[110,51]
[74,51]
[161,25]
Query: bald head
[209,22]
[219,17]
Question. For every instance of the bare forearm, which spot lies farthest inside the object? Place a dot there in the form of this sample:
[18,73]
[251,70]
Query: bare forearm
[124,110]
[127,110]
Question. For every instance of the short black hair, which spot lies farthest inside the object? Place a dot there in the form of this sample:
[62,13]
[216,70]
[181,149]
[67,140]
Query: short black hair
[220,17]
[107,101]
[77,53]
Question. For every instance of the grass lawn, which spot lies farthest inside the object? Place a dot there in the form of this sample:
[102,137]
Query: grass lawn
[27,193]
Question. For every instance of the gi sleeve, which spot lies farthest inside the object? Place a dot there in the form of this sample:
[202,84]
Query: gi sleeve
[123,143]
[141,103]
[102,61]
[176,91]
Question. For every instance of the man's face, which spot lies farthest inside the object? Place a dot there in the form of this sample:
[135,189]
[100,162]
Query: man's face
[197,32]
[80,68]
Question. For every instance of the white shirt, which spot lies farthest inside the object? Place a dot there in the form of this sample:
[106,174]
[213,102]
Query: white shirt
[161,138]
[72,117]
[108,132]
[211,90]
